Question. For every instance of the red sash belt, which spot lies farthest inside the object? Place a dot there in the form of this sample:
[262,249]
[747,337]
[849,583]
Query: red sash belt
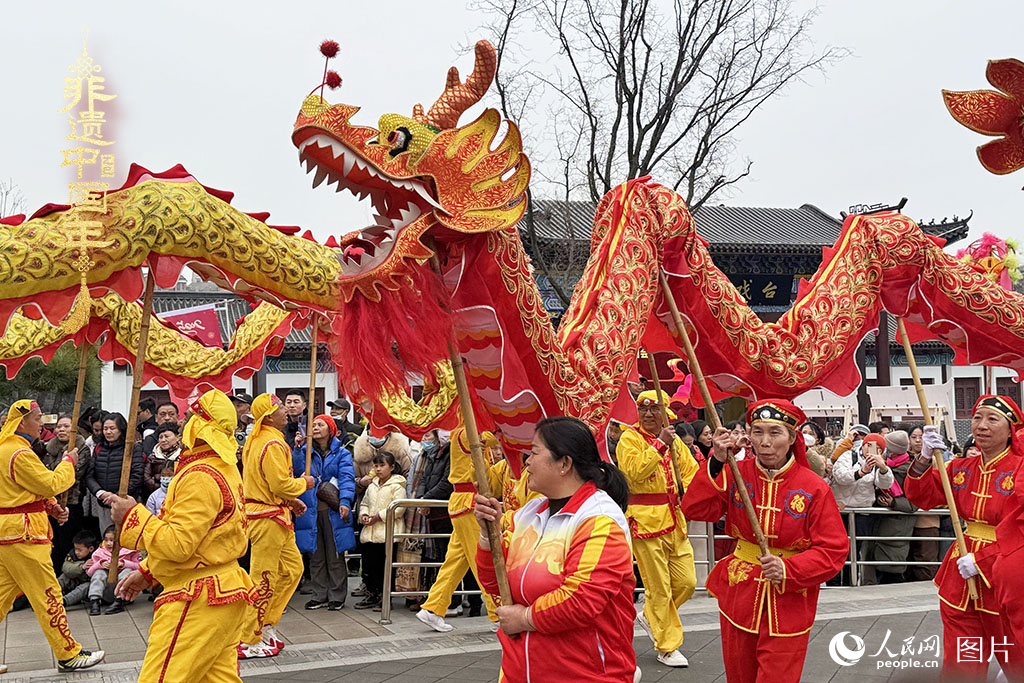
[262,502]
[648,499]
[465,487]
[38,506]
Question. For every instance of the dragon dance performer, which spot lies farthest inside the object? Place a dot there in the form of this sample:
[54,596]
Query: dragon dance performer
[649,455]
[767,603]
[983,487]
[461,553]
[193,549]
[514,491]
[270,497]
[569,565]
[27,490]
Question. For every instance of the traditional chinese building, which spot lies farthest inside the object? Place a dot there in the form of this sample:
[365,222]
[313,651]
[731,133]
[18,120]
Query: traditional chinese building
[764,251]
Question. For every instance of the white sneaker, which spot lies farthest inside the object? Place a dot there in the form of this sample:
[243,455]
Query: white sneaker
[674,658]
[641,620]
[433,621]
[3,668]
[83,660]
[637,675]
[457,612]
[272,637]
[257,651]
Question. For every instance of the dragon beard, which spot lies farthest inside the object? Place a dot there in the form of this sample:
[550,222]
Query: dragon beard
[378,343]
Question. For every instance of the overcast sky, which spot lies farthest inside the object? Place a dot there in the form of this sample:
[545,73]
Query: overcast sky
[216,86]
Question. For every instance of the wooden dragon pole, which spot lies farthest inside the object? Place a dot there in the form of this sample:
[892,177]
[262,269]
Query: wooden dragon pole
[133,416]
[937,462]
[711,413]
[76,412]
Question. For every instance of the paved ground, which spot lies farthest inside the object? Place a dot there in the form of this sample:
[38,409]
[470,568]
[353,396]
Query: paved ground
[350,645]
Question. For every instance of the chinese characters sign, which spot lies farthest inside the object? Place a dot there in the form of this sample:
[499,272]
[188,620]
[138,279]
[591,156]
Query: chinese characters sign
[764,290]
[91,155]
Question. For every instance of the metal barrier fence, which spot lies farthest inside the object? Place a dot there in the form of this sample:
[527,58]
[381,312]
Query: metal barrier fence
[698,541]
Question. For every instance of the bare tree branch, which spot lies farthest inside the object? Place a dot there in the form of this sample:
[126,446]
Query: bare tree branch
[643,87]
[12,201]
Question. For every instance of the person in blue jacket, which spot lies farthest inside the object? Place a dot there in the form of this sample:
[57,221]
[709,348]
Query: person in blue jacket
[325,530]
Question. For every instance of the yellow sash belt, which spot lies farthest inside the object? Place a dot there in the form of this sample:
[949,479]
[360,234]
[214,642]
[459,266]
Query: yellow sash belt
[749,552]
[981,531]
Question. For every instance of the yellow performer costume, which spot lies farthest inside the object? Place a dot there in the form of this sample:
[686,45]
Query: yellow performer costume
[461,554]
[269,486]
[660,544]
[513,492]
[193,550]
[27,490]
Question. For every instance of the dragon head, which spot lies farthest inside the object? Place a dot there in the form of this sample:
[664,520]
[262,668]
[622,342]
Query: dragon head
[426,176]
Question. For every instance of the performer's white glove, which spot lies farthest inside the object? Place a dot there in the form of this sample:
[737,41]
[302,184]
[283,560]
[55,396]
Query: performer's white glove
[967,567]
[932,440]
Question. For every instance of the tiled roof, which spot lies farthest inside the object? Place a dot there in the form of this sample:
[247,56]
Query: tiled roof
[729,227]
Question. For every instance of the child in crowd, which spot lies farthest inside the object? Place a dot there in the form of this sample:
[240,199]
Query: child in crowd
[155,502]
[388,484]
[73,580]
[97,568]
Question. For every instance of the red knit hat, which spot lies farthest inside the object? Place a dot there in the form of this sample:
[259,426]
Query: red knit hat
[332,426]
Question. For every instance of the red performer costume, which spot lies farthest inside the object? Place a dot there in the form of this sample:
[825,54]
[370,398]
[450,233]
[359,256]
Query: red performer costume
[765,623]
[997,561]
[983,492]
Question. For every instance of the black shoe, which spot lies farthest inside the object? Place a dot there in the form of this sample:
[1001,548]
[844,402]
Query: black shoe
[369,601]
[316,604]
[94,608]
[335,606]
[116,608]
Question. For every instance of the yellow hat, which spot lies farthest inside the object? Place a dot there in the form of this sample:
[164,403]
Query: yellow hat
[262,406]
[650,397]
[16,414]
[213,421]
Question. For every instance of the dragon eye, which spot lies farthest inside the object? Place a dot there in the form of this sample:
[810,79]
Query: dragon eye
[399,140]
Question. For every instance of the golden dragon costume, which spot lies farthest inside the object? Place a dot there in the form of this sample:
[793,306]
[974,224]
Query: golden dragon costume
[457,190]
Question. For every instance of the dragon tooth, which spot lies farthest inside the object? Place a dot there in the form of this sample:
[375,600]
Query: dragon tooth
[321,173]
[359,163]
[347,162]
[422,192]
[336,148]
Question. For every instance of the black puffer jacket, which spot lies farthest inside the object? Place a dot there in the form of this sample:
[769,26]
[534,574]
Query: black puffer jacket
[104,471]
[434,484]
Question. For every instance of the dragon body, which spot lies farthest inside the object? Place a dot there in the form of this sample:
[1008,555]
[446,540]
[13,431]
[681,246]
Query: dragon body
[456,192]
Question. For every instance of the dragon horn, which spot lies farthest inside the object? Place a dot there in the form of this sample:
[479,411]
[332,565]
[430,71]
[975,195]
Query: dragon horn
[457,96]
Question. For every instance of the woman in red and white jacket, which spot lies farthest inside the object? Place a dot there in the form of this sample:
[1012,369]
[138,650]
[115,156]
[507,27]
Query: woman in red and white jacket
[569,565]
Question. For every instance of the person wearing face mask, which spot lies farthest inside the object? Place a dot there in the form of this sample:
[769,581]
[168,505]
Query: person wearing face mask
[155,502]
[167,449]
[990,504]
[366,447]
[271,496]
[27,496]
[461,553]
[768,602]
